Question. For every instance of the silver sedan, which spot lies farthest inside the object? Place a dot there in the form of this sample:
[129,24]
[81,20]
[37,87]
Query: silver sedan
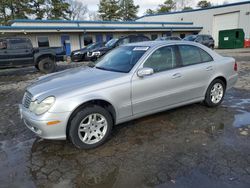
[129,82]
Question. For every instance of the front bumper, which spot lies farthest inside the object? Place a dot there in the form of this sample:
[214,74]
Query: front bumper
[38,124]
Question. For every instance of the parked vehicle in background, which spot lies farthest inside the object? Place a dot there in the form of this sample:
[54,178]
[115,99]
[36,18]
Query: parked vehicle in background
[168,38]
[19,52]
[129,82]
[206,40]
[111,44]
[81,55]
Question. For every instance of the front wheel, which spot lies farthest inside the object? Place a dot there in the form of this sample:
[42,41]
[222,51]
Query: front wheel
[215,93]
[47,65]
[90,127]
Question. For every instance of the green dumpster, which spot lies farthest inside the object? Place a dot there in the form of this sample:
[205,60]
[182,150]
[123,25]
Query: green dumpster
[230,39]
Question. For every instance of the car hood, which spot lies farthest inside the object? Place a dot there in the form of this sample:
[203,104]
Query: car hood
[73,79]
[83,50]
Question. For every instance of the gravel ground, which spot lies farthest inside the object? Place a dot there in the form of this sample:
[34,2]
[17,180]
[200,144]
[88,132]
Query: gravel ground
[192,146]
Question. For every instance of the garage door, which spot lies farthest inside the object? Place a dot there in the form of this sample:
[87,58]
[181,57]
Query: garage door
[223,22]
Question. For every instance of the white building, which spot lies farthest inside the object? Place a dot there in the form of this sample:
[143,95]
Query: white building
[53,33]
[80,33]
[214,19]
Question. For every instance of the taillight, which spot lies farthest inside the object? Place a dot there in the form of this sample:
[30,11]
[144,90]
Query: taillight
[235,66]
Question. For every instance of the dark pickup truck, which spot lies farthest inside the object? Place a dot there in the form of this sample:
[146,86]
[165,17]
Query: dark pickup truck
[19,52]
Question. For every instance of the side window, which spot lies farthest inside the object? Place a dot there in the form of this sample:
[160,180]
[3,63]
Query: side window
[20,44]
[198,39]
[205,37]
[162,59]
[154,36]
[193,55]
[124,41]
[205,56]
[190,55]
[43,41]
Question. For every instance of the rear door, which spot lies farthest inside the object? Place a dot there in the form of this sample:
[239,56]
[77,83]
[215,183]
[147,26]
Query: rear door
[20,52]
[197,70]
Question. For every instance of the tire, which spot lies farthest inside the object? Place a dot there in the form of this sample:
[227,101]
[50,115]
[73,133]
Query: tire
[86,135]
[47,65]
[215,93]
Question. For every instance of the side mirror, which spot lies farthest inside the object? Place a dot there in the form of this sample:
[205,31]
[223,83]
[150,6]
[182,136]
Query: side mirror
[145,72]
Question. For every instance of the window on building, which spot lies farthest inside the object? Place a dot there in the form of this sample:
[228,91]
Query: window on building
[162,59]
[3,44]
[43,41]
[87,39]
[182,35]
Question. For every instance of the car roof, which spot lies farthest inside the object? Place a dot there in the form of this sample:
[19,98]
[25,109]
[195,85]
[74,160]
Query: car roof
[159,43]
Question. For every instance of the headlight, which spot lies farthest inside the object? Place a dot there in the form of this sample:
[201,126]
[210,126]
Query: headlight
[97,53]
[42,107]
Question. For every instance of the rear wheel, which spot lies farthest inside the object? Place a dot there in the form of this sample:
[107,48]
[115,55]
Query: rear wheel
[215,93]
[47,65]
[90,127]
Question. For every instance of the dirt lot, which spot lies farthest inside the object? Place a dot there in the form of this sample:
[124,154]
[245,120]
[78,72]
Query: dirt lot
[192,146]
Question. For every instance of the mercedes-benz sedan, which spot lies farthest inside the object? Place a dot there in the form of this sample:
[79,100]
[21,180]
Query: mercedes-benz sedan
[129,82]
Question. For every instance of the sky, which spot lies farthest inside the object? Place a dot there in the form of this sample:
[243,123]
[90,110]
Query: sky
[153,4]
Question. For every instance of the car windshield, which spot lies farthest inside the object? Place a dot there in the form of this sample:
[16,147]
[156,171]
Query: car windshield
[111,42]
[190,38]
[92,46]
[121,59]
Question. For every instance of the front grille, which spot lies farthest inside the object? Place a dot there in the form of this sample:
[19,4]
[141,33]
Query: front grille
[27,99]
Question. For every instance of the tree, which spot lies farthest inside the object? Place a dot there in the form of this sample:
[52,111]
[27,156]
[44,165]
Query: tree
[149,11]
[167,6]
[128,10]
[58,9]
[204,4]
[4,17]
[183,4]
[77,10]
[187,8]
[109,10]
[38,8]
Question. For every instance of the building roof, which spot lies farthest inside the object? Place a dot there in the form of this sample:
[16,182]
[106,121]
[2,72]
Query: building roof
[194,10]
[95,22]
[27,25]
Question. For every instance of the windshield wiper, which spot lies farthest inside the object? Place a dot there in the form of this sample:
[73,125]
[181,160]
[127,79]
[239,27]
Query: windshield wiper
[113,70]
[102,68]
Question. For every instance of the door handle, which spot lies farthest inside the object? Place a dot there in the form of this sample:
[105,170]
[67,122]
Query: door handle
[176,75]
[209,68]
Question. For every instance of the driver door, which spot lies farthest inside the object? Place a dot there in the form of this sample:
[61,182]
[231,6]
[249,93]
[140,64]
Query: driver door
[162,88]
